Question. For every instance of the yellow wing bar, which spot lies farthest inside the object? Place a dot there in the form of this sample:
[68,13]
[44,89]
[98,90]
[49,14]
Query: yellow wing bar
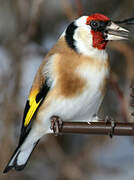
[31,112]
[33,107]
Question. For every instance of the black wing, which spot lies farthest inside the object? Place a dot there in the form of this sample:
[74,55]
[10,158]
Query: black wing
[31,108]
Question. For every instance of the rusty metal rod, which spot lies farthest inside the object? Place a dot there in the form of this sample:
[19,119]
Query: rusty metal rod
[100,128]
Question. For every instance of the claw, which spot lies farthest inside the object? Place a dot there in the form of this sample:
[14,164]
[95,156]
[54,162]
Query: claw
[113,125]
[56,125]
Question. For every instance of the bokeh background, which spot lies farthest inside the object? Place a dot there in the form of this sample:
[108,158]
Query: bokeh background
[28,29]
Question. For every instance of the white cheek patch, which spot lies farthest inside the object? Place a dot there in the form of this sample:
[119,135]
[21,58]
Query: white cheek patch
[84,35]
[83,40]
[84,43]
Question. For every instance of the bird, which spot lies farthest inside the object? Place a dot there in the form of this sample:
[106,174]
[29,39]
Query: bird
[70,83]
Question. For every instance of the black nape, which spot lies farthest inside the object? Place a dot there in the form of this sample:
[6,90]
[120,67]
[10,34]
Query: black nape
[69,35]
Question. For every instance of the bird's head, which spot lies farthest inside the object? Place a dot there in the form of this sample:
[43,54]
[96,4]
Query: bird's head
[94,31]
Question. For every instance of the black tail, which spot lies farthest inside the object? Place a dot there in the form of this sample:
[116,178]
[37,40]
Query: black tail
[20,158]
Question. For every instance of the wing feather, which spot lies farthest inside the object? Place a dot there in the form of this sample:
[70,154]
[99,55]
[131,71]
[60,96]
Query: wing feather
[36,97]
[40,88]
[33,104]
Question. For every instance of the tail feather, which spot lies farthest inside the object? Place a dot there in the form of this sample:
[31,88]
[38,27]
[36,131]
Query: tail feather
[10,164]
[20,158]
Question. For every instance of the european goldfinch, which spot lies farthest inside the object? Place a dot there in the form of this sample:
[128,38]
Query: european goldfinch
[70,82]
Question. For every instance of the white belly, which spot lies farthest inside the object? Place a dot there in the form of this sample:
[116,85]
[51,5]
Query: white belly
[81,108]
[86,105]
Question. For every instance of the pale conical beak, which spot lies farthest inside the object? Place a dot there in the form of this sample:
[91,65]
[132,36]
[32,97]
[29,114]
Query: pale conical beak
[115,32]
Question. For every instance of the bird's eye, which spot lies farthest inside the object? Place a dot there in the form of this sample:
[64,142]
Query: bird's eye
[94,24]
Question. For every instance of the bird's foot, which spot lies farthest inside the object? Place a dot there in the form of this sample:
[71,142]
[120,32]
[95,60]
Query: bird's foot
[95,118]
[113,125]
[56,125]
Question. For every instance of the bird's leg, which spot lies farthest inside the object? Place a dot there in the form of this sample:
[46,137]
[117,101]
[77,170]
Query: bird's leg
[113,124]
[56,124]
